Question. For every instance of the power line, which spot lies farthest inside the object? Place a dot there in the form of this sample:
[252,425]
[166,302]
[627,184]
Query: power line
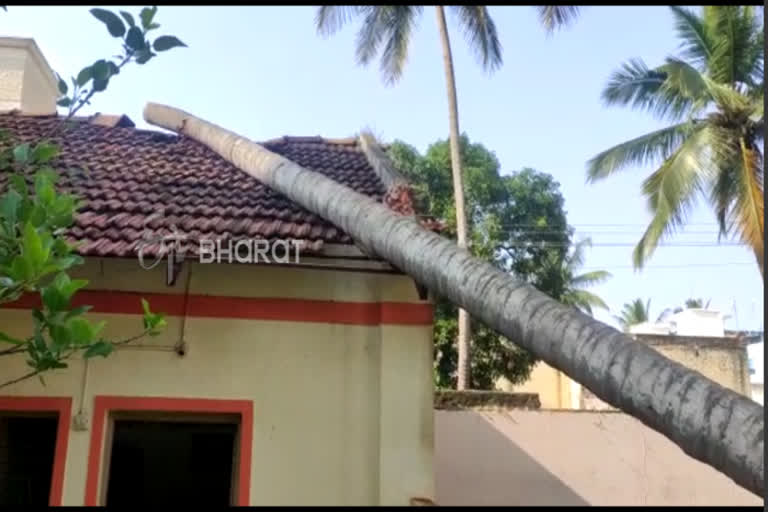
[649,267]
[542,244]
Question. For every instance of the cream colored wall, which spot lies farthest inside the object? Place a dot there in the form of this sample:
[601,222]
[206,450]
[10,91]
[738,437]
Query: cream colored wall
[728,367]
[26,81]
[342,413]
[562,458]
[553,387]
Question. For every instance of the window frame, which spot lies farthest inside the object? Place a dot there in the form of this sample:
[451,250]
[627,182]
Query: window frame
[107,409]
[62,406]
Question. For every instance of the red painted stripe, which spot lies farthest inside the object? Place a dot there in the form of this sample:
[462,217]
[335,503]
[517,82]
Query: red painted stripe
[61,405]
[103,405]
[210,306]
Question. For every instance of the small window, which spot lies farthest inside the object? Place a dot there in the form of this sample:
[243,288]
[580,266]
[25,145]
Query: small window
[27,452]
[172,461]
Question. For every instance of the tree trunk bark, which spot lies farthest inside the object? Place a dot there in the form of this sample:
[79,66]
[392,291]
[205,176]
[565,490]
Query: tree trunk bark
[709,422]
[464,333]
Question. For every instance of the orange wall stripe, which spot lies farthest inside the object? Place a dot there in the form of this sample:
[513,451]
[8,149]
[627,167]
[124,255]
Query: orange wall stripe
[103,405]
[62,405]
[210,306]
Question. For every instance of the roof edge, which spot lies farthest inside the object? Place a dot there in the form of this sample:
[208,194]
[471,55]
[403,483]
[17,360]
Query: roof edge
[382,165]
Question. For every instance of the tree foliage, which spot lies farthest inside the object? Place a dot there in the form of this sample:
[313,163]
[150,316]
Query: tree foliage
[633,313]
[35,255]
[712,93]
[515,221]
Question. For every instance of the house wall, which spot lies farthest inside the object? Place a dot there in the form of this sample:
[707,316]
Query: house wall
[560,458]
[555,389]
[342,409]
[725,362]
[26,81]
[722,360]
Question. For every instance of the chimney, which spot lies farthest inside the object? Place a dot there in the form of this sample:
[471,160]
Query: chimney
[27,82]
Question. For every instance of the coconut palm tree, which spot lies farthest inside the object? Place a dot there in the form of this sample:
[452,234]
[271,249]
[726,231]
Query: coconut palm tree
[697,303]
[709,422]
[574,292]
[689,304]
[712,93]
[387,29]
[634,313]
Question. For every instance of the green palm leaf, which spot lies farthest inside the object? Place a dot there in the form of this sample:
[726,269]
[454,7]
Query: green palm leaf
[642,88]
[591,278]
[671,191]
[695,42]
[555,16]
[480,32]
[647,149]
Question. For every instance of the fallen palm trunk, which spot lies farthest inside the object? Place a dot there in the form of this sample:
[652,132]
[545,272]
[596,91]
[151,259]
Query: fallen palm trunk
[709,422]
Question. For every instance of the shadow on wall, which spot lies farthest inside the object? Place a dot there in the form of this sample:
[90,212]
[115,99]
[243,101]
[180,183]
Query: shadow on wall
[549,457]
[475,464]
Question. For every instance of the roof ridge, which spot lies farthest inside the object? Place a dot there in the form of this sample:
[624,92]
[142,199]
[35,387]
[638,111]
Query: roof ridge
[309,139]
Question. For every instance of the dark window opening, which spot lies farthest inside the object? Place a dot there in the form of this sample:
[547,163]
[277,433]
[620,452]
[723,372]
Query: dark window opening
[171,463]
[27,451]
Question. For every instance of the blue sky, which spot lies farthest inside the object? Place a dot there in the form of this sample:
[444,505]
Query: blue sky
[263,72]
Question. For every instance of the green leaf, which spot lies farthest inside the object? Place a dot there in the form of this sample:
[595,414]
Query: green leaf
[82,330]
[135,39]
[79,310]
[113,69]
[19,184]
[8,339]
[53,299]
[164,43]
[100,70]
[144,56]
[9,204]
[128,17]
[63,88]
[100,348]
[44,189]
[21,154]
[147,14]
[64,102]
[84,75]
[100,85]
[153,26]
[112,21]
[21,270]
[44,152]
[32,248]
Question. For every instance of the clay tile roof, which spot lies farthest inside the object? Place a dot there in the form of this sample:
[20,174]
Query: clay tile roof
[129,179]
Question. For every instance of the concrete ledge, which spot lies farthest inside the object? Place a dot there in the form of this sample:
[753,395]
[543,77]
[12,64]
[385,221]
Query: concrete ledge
[459,400]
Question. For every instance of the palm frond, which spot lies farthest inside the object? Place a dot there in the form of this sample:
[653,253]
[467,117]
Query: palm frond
[671,192]
[480,33]
[399,26]
[583,300]
[637,86]
[576,258]
[685,80]
[329,19]
[556,16]
[371,33]
[634,313]
[651,148]
[734,30]
[591,278]
[696,44]
[749,203]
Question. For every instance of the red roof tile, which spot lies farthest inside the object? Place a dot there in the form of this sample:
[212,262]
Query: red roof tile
[130,179]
